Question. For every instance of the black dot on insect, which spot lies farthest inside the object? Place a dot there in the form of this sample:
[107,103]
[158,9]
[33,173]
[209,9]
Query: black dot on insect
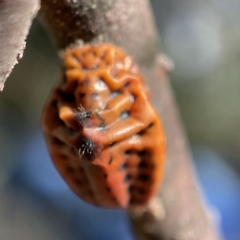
[132,201]
[90,193]
[63,156]
[129,152]
[69,97]
[126,84]
[127,177]
[142,164]
[150,125]
[141,191]
[82,95]
[57,141]
[105,175]
[131,189]
[94,95]
[112,144]
[122,167]
[78,182]
[110,160]
[108,189]
[72,150]
[145,130]
[144,177]
[143,153]
[69,169]
[124,115]
[54,103]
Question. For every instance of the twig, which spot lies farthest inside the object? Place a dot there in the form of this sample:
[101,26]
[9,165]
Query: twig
[15,21]
[177,213]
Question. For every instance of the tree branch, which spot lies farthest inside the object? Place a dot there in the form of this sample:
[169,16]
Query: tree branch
[15,21]
[178,212]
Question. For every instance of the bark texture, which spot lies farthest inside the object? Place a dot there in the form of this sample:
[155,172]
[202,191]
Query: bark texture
[15,21]
[178,213]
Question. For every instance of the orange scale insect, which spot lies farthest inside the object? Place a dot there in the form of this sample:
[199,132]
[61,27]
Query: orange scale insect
[103,135]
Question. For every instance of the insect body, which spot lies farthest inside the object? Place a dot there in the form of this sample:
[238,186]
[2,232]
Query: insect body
[102,133]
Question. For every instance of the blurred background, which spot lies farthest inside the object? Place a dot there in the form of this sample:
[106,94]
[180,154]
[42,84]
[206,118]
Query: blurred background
[203,39]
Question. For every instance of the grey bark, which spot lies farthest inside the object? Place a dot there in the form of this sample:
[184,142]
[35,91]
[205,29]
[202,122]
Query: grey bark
[15,21]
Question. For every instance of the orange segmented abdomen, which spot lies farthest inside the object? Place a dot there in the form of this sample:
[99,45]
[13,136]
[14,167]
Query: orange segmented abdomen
[102,133]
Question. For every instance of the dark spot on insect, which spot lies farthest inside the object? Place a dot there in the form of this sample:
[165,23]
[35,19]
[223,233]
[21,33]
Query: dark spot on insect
[122,167]
[129,152]
[80,169]
[150,125]
[82,95]
[126,84]
[132,201]
[110,160]
[69,97]
[94,95]
[72,150]
[144,177]
[108,189]
[145,130]
[105,175]
[141,132]
[57,141]
[131,189]
[69,169]
[143,164]
[112,144]
[64,78]
[143,153]
[78,182]
[54,103]
[63,156]
[127,177]
[141,191]
[102,127]
[124,115]
[90,192]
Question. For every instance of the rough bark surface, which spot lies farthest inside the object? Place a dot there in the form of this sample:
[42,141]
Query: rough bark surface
[15,21]
[178,212]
